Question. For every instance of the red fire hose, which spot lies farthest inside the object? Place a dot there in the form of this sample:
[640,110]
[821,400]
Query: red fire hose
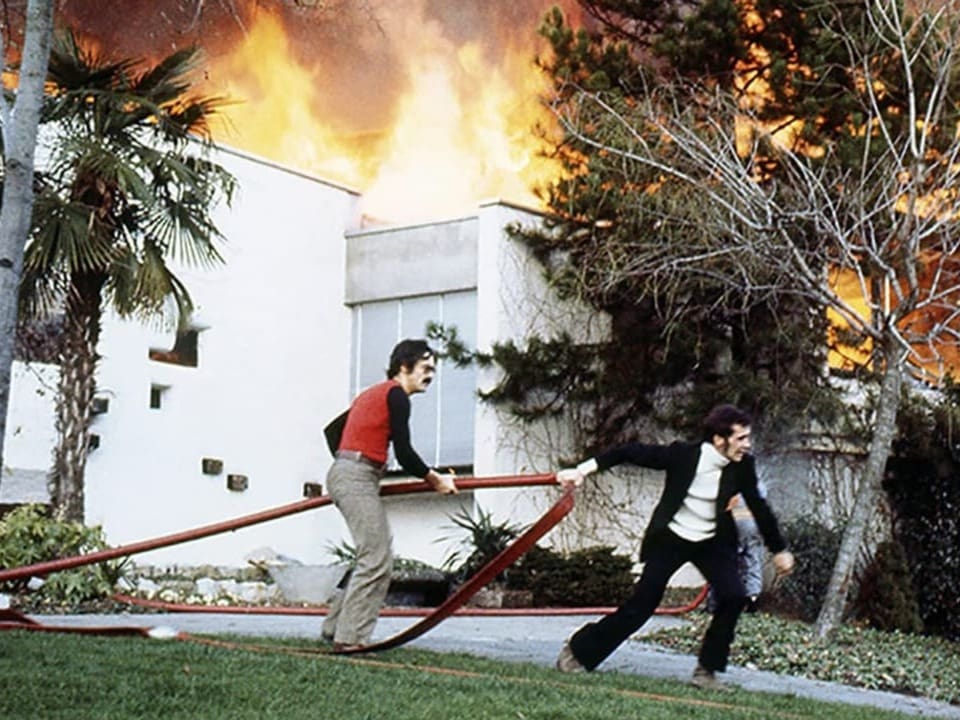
[44,568]
[12,619]
[16,620]
[487,573]
[172,607]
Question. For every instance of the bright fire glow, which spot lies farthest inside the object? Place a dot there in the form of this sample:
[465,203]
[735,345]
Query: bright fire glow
[932,361]
[460,131]
[271,113]
[756,91]
[846,284]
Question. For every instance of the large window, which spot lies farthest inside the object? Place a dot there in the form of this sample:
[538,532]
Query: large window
[442,419]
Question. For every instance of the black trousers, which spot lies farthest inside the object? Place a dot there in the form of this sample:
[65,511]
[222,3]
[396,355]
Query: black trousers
[717,561]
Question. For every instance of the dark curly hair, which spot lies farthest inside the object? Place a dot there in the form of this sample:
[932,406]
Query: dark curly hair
[406,353]
[721,419]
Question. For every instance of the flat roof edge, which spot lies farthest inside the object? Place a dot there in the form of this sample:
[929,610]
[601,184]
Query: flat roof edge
[260,160]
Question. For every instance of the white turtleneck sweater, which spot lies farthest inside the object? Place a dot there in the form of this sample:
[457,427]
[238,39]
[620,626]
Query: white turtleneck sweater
[696,519]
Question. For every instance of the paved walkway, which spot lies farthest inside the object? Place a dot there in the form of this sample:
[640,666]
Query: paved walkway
[533,639]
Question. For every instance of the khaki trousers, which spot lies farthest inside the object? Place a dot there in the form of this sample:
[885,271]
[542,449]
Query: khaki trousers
[354,488]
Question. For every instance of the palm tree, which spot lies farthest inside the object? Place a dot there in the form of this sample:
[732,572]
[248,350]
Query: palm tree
[125,190]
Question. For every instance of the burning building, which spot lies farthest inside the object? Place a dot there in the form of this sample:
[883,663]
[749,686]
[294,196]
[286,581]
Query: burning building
[364,143]
[380,151]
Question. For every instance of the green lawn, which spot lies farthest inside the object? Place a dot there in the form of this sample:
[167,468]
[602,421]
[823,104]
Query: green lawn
[48,676]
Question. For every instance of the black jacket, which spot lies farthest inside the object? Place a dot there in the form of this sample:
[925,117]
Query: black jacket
[680,460]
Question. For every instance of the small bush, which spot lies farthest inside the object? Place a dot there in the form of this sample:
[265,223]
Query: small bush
[485,541]
[590,577]
[815,547]
[925,494]
[923,484]
[886,599]
[938,583]
[28,536]
[534,568]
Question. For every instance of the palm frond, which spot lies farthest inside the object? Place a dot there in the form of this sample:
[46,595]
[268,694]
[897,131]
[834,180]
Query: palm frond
[115,97]
[168,80]
[74,67]
[41,293]
[143,285]
[124,195]
[121,286]
[67,236]
[195,115]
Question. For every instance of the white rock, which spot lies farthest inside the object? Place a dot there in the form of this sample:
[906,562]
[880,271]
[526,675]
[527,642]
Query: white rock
[162,632]
[35,583]
[147,587]
[207,587]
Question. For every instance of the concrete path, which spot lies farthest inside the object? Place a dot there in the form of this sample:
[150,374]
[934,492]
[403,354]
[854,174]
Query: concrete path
[530,639]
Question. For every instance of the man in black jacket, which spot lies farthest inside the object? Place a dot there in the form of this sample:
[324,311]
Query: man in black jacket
[691,523]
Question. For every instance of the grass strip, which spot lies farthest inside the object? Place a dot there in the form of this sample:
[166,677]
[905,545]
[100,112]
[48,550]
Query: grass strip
[73,676]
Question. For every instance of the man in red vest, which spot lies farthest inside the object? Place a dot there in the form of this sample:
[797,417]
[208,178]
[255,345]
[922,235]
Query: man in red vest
[379,416]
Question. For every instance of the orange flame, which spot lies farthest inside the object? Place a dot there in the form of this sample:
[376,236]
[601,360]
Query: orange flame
[931,360]
[272,113]
[460,128]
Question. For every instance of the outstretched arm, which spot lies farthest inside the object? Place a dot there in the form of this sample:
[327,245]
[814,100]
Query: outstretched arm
[650,456]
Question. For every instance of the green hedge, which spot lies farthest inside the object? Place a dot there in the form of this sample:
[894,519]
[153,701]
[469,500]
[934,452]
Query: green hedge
[591,577]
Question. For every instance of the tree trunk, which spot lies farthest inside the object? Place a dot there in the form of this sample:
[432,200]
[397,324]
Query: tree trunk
[20,140]
[78,367]
[868,494]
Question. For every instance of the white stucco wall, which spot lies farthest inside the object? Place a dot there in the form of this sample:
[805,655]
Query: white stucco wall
[273,368]
[514,302]
[30,435]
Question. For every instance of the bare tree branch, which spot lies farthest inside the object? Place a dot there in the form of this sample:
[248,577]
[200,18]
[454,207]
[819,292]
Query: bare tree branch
[770,219]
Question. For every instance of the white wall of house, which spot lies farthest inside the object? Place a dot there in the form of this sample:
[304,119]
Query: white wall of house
[273,365]
[30,435]
[282,349]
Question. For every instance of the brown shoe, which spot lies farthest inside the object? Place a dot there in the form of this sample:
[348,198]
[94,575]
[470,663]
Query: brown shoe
[707,680]
[339,647]
[567,662]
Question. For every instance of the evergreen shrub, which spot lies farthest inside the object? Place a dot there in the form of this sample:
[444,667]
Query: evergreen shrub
[584,578]
[886,599]
[923,485]
[815,547]
[926,501]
